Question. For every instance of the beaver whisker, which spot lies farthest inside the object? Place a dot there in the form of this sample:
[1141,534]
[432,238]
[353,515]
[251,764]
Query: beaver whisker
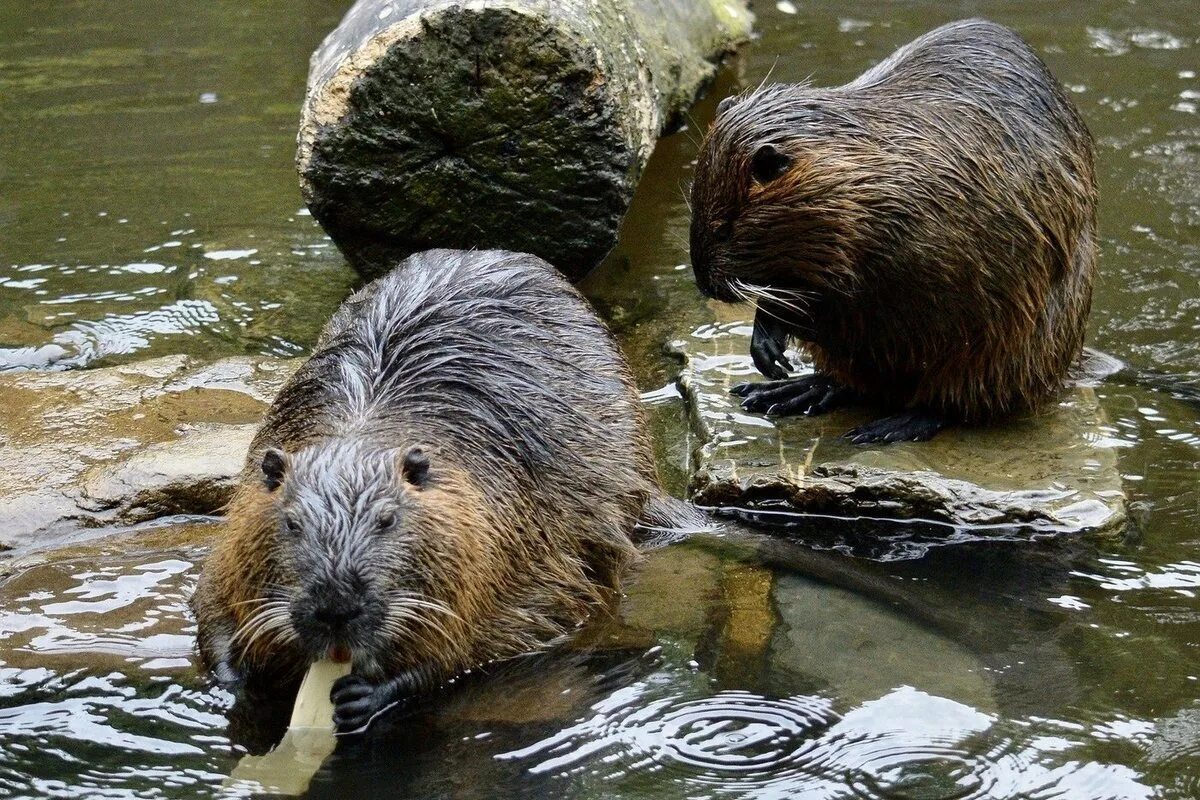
[679,239]
[405,624]
[273,614]
[400,613]
[687,195]
[402,621]
[787,299]
[265,598]
[417,600]
[407,615]
[282,633]
[692,124]
[267,613]
[791,299]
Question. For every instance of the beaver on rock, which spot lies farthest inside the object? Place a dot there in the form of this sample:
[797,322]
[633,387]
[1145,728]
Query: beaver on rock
[927,231]
[451,479]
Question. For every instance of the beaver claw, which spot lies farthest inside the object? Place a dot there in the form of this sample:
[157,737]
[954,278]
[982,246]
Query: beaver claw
[911,426]
[767,345]
[810,395]
[355,702]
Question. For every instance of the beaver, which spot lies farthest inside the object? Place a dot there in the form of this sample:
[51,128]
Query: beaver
[451,479]
[927,231]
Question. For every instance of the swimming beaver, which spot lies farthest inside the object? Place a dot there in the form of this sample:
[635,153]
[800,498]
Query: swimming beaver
[928,231]
[452,478]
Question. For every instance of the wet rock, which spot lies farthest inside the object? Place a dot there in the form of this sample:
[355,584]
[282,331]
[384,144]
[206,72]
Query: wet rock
[671,591]
[195,474]
[125,444]
[1056,472]
[749,623]
[860,650]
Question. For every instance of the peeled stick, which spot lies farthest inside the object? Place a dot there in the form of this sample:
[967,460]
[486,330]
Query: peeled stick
[309,739]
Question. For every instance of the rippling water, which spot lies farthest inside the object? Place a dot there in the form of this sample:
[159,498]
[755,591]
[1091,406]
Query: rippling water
[904,744]
[150,207]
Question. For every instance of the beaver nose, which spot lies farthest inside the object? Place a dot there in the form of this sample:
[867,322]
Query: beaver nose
[338,616]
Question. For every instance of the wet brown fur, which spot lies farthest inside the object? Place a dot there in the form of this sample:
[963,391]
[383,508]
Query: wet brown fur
[933,242]
[541,465]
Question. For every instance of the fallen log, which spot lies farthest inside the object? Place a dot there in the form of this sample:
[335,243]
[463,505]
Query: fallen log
[517,124]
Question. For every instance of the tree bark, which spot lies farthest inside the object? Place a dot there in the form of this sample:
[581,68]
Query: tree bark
[516,124]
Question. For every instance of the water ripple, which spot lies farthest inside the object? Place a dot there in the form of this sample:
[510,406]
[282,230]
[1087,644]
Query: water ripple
[731,739]
[906,744]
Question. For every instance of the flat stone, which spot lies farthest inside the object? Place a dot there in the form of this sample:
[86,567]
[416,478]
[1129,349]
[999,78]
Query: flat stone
[194,474]
[1050,473]
[120,445]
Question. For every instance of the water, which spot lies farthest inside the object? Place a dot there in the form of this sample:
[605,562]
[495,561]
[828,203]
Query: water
[738,667]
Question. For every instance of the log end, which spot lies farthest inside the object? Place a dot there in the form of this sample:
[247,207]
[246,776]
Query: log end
[466,127]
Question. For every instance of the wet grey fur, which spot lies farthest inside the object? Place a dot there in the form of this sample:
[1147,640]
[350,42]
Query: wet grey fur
[451,478]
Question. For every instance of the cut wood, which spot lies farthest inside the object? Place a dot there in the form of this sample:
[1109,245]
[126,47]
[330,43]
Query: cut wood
[516,124]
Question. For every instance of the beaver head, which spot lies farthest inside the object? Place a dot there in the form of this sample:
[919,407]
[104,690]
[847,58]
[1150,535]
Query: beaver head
[777,199]
[348,546]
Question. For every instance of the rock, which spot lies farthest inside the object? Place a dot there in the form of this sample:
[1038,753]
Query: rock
[749,625]
[1052,473]
[670,591]
[195,474]
[124,444]
[859,650]
[514,124]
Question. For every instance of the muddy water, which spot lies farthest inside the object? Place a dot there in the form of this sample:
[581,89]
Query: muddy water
[149,207]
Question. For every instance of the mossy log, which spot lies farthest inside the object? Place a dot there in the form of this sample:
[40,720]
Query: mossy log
[518,124]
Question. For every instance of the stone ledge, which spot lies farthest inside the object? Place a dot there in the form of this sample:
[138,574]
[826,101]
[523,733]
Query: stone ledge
[1052,473]
[121,445]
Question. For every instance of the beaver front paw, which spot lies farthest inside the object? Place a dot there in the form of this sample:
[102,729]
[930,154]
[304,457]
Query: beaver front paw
[767,345]
[911,426]
[810,395]
[355,702]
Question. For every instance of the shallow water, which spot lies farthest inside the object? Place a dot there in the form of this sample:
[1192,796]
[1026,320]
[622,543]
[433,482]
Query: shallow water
[146,153]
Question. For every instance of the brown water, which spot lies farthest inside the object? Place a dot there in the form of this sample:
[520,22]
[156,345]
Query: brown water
[145,152]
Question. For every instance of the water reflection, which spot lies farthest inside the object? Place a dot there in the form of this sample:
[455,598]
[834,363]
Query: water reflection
[150,136]
[99,688]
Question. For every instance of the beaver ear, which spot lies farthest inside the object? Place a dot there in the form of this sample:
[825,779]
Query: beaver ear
[768,163]
[726,104]
[415,467]
[274,467]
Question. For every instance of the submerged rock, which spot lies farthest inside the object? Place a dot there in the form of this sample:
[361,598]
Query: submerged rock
[861,650]
[126,444]
[118,603]
[1054,472]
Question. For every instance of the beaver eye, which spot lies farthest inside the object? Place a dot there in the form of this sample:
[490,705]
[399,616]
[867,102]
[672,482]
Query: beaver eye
[292,524]
[723,230]
[385,520]
[768,163]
